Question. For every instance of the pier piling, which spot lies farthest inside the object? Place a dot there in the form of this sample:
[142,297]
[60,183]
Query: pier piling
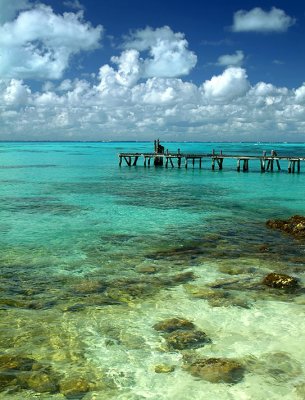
[294,162]
[263,165]
[238,165]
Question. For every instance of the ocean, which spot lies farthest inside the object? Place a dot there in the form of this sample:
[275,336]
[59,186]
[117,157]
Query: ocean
[94,255]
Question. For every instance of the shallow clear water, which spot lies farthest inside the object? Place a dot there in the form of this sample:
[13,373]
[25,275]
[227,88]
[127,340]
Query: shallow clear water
[92,256]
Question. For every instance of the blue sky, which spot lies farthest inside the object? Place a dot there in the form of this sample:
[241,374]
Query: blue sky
[134,70]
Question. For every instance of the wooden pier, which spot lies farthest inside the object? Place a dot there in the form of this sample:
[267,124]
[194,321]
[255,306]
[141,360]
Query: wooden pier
[165,158]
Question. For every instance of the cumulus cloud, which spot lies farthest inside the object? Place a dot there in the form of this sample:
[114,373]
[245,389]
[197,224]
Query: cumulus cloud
[9,9]
[227,103]
[38,44]
[148,53]
[231,59]
[129,67]
[123,101]
[168,52]
[258,20]
[300,94]
[230,84]
[16,93]
[262,89]
[165,91]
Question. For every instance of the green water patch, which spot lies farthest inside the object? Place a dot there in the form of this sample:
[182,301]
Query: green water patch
[13,181]
[230,238]
[32,151]
[24,166]
[39,205]
[103,346]
[78,154]
[231,242]
[115,279]
[242,290]
[54,330]
[80,187]
[168,196]
[63,369]
[278,367]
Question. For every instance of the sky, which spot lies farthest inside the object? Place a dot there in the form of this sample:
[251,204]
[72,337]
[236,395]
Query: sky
[112,70]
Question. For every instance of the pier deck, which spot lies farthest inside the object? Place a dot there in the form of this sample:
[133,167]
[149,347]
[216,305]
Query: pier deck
[267,163]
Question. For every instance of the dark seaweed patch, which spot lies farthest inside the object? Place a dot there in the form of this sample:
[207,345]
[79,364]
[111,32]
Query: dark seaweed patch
[38,205]
[27,166]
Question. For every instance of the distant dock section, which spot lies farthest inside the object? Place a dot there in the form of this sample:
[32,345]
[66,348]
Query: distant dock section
[162,157]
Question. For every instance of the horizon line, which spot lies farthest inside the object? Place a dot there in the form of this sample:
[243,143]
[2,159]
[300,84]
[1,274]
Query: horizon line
[145,141]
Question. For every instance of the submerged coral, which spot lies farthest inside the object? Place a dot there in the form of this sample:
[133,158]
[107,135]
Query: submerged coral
[74,387]
[181,340]
[26,373]
[280,281]
[173,324]
[216,370]
[164,368]
[295,225]
[181,334]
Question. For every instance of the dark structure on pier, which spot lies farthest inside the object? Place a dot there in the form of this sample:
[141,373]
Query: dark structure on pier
[159,156]
[159,149]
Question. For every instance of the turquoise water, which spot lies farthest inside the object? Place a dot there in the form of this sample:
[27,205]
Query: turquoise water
[93,255]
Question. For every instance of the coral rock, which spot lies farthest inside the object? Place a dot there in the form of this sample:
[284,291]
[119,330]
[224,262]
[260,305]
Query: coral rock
[11,368]
[216,370]
[181,340]
[280,281]
[16,363]
[75,386]
[295,225]
[184,277]
[164,369]
[147,270]
[42,382]
[174,324]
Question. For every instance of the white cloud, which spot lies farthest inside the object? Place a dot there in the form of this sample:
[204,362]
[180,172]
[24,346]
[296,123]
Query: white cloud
[258,20]
[129,67]
[75,5]
[168,52]
[110,88]
[38,44]
[230,84]
[48,86]
[9,9]
[124,103]
[278,62]
[47,99]
[65,85]
[221,42]
[168,57]
[262,89]
[231,59]
[226,103]
[165,91]
[300,94]
[16,93]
